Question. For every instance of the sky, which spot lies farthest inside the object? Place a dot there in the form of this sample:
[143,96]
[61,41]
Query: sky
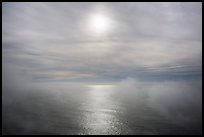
[101,42]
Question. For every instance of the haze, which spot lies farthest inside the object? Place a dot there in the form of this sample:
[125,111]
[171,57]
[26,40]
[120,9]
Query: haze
[102,68]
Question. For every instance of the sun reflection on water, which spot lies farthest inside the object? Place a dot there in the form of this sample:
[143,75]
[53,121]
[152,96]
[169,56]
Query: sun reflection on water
[100,111]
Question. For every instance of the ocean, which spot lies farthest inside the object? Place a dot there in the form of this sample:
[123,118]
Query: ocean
[87,110]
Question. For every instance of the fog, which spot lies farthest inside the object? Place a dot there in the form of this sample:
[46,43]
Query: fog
[45,108]
[102,68]
[180,101]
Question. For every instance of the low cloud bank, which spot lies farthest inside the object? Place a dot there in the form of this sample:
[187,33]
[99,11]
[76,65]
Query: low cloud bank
[178,101]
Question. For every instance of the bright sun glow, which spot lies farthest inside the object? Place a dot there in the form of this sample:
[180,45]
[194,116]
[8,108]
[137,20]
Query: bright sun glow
[99,23]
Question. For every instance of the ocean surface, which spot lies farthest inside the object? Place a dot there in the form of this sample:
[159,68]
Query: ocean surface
[87,110]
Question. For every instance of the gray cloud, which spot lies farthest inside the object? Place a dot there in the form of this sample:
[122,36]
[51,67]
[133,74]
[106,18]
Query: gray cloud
[47,38]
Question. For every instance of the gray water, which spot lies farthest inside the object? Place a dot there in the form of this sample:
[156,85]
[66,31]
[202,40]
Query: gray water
[86,110]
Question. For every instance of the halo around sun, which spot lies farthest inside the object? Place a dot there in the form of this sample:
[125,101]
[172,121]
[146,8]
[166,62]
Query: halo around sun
[99,24]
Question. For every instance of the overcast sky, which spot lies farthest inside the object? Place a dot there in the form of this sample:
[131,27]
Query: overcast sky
[60,41]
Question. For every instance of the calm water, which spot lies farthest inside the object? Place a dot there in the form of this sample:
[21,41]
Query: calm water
[87,110]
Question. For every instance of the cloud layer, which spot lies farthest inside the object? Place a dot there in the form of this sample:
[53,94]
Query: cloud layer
[54,41]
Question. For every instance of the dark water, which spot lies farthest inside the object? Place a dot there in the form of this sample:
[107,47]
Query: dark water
[87,110]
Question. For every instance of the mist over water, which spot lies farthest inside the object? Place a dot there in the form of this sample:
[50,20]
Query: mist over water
[128,107]
[102,68]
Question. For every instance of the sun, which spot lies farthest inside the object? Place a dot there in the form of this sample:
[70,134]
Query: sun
[99,23]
